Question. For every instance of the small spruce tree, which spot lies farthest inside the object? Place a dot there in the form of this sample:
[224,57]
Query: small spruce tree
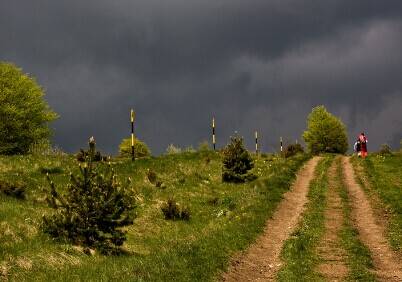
[236,162]
[93,211]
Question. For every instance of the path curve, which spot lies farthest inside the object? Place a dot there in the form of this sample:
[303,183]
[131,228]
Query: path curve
[388,265]
[262,261]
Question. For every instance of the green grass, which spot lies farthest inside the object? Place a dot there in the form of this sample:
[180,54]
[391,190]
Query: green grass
[384,173]
[358,255]
[225,219]
[299,254]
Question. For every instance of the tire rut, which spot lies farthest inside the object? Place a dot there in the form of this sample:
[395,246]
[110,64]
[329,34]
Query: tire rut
[262,261]
[388,266]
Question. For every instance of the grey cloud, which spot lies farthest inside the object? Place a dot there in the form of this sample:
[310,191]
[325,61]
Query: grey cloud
[253,64]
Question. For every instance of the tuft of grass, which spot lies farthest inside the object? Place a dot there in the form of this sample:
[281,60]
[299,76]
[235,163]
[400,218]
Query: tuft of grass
[299,254]
[14,189]
[359,258]
[50,170]
[384,175]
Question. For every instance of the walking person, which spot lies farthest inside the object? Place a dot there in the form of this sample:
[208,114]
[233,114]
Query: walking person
[363,145]
[357,147]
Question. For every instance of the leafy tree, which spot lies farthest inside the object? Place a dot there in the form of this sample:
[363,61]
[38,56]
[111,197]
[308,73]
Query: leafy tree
[140,148]
[93,211]
[236,162]
[24,114]
[325,132]
[293,149]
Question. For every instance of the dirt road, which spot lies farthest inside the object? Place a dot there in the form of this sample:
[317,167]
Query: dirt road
[387,264]
[262,261]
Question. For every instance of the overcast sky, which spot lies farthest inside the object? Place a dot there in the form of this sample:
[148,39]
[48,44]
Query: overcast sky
[254,65]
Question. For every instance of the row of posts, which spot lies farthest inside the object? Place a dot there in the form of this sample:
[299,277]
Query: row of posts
[132,117]
[255,134]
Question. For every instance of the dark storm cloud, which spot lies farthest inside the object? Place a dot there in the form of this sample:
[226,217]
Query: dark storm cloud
[252,64]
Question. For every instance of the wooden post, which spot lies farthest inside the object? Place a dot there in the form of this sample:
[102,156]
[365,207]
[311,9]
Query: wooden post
[213,133]
[256,143]
[132,116]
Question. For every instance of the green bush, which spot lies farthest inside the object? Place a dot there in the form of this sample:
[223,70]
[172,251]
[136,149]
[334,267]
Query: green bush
[325,133]
[141,149]
[292,150]
[13,189]
[204,147]
[24,113]
[236,162]
[92,212]
[154,179]
[385,149]
[171,210]
[172,149]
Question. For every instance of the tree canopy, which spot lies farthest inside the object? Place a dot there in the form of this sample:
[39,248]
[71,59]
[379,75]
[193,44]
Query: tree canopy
[24,113]
[325,132]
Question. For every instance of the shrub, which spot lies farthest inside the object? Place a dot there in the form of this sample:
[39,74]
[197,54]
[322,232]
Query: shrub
[385,149]
[24,113]
[13,189]
[171,210]
[325,133]
[236,162]
[153,179]
[92,212]
[172,149]
[292,150]
[204,147]
[141,149]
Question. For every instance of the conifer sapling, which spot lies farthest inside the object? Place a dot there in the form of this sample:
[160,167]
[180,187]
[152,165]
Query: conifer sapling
[93,210]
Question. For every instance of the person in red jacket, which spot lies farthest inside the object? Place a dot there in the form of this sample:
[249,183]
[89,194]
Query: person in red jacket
[363,145]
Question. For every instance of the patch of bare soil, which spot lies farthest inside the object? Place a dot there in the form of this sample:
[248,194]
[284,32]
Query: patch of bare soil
[387,264]
[333,266]
[262,261]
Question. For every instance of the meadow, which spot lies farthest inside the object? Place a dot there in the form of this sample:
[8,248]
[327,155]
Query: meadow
[225,218]
[382,179]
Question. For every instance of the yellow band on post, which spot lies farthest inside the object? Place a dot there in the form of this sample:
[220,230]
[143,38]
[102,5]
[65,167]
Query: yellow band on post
[132,115]
[132,139]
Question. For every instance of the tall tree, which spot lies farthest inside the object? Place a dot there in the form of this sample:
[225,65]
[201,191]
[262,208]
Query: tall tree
[24,113]
[325,132]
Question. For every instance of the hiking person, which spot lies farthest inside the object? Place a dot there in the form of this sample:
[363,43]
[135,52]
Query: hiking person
[357,147]
[363,145]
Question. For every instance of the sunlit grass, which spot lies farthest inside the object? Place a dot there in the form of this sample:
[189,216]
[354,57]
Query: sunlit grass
[225,218]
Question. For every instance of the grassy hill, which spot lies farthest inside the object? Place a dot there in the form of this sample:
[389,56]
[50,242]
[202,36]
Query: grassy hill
[225,218]
[381,176]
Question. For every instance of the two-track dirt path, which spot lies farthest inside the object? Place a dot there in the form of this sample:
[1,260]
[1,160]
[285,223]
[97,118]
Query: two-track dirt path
[262,261]
[333,266]
[387,264]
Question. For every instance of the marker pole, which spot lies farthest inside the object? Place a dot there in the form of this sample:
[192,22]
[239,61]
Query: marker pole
[281,144]
[256,142]
[213,133]
[132,116]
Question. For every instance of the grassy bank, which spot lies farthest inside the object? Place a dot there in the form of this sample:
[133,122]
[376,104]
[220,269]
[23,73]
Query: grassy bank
[384,174]
[358,255]
[225,218]
[298,253]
